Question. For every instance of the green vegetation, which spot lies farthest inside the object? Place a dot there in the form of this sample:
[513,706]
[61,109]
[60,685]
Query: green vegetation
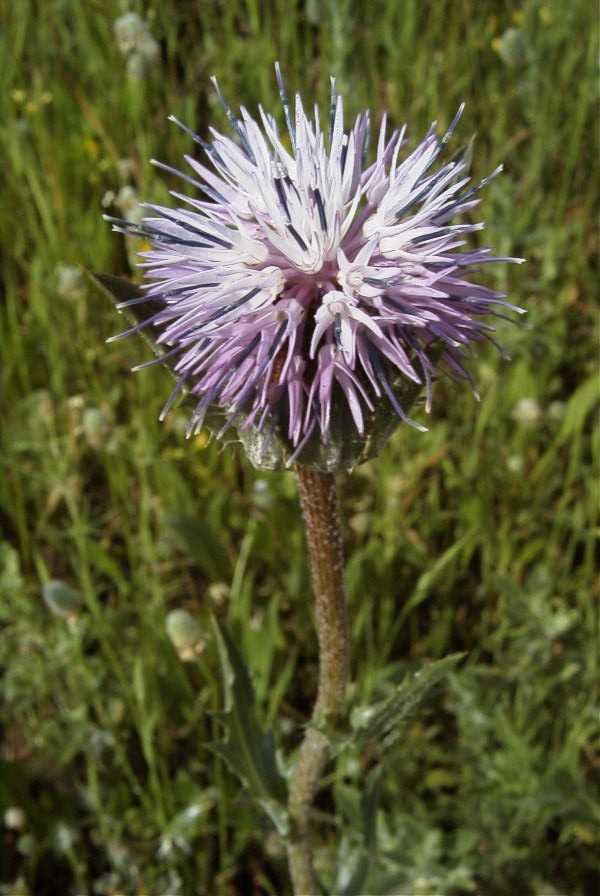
[480,536]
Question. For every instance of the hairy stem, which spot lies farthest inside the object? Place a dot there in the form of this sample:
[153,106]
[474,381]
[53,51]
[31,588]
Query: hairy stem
[321,518]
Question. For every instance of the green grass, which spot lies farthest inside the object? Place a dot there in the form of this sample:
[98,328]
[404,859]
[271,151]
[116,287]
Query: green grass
[479,536]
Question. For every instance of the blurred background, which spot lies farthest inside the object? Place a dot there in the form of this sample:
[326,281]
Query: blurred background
[119,539]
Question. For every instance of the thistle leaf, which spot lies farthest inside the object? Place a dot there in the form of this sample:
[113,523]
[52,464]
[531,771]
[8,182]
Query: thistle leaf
[365,855]
[248,750]
[385,721]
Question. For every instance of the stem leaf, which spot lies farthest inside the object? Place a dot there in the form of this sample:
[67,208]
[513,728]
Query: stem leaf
[384,722]
[247,749]
[365,855]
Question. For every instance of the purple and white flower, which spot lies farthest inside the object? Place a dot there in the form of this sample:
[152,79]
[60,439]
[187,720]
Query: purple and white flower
[303,270]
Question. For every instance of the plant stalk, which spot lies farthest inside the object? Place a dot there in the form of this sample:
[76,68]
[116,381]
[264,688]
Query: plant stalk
[321,518]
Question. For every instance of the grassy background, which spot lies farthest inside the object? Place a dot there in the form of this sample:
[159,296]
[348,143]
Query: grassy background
[479,536]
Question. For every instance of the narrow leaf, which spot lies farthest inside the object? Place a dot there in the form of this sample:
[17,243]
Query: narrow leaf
[366,854]
[201,542]
[248,750]
[385,721]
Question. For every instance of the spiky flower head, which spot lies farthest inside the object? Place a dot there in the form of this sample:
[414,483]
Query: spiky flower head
[305,283]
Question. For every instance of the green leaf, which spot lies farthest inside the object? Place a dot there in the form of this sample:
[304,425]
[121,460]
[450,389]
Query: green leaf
[369,806]
[385,721]
[197,537]
[11,580]
[248,750]
[117,288]
[582,403]
[366,854]
[434,572]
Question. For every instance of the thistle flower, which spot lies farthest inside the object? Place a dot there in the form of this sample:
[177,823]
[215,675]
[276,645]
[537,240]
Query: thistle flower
[306,283]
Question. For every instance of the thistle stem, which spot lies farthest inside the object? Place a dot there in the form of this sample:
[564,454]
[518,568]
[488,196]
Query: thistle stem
[321,518]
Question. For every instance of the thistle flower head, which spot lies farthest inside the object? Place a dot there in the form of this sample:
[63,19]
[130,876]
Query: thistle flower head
[307,279]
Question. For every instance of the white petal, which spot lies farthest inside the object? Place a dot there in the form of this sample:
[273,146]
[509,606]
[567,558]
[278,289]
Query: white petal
[347,339]
[321,326]
[363,318]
